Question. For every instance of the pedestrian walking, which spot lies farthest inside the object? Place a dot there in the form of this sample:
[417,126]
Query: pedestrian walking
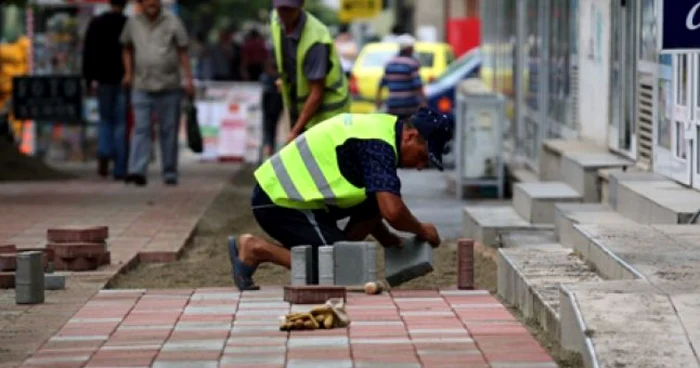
[402,78]
[103,73]
[344,167]
[314,87]
[155,49]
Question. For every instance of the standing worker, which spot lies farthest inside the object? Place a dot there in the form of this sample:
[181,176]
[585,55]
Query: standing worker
[314,87]
[345,166]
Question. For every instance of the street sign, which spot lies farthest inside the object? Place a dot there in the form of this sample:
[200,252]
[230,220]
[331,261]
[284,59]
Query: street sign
[358,9]
[56,98]
[680,28]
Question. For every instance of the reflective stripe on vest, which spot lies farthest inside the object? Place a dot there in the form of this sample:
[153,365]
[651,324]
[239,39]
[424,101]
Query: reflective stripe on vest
[305,173]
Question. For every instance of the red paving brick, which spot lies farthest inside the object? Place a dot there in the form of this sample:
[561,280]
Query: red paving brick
[430,333]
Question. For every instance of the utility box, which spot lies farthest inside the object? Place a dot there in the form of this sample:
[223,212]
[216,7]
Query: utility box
[480,123]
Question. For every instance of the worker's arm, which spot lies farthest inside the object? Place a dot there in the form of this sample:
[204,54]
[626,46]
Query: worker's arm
[397,214]
[315,69]
[378,98]
[313,102]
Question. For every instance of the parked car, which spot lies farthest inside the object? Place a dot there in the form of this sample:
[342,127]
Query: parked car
[369,69]
[441,92]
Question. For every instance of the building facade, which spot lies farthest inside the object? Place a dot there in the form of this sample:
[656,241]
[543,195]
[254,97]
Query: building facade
[592,70]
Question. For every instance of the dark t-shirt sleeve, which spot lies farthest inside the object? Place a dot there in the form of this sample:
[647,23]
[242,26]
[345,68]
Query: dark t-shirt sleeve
[378,162]
[316,62]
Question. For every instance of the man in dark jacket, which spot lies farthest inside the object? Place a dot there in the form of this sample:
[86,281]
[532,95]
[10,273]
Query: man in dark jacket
[103,72]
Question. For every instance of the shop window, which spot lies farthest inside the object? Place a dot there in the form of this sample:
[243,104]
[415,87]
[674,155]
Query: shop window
[648,31]
[533,49]
[559,62]
[665,98]
[682,85]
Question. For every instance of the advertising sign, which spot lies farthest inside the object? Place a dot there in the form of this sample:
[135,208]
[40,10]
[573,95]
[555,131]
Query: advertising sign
[680,29]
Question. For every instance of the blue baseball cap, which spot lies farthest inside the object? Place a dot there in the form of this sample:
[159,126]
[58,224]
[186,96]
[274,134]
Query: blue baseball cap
[437,130]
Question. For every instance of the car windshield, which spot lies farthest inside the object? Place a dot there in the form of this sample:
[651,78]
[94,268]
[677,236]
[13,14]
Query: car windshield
[379,58]
[457,65]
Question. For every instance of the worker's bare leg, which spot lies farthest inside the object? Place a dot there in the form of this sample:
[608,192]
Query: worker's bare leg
[254,251]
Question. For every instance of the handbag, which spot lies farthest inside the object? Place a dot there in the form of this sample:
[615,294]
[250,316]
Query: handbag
[194,135]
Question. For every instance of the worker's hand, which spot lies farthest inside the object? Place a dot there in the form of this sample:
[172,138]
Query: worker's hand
[292,136]
[278,83]
[392,241]
[430,234]
[127,81]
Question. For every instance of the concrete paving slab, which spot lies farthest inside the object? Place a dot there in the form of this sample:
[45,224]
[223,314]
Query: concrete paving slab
[664,202]
[534,202]
[485,223]
[580,171]
[529,278]
[627,329]
[566,215]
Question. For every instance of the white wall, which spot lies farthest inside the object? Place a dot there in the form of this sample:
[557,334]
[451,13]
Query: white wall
[594,73]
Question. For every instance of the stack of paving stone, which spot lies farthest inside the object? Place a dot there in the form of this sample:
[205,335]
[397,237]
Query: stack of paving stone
[79,249]
[353,264]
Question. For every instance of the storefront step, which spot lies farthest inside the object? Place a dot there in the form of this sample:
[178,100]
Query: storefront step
[552,150]
[580,171]
[534,202]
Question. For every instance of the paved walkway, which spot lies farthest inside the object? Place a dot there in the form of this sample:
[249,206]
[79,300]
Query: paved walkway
[147,224]
[222,328]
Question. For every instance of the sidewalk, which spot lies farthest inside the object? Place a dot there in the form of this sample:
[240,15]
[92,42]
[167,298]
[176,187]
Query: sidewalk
[223,328]
[145,224]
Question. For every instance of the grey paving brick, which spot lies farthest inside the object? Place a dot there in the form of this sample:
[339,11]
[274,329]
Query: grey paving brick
[315,363]
[387,365]
[194,345]
[54,281]
[29,278]
[203,326]
[215,296]
[302,265]
[355,262]
[414,260]
[189,364]
[263,359]
[262,312]
[224,309]
[256,349]
[326,265]
[325,341]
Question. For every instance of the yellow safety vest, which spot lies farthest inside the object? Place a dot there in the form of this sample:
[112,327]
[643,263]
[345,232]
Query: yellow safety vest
[336,96]
[305,173]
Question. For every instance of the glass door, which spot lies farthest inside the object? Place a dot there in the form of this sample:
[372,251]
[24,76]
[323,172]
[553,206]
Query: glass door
[693,134]
[622,128]
[681,136]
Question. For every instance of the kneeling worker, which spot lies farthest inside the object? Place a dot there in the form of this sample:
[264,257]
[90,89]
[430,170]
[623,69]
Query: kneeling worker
[345,166]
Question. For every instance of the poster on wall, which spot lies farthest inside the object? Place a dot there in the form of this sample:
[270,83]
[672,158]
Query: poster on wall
[680,27]
[230,120]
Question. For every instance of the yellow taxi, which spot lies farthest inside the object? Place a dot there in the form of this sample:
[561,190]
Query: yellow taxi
[369,66]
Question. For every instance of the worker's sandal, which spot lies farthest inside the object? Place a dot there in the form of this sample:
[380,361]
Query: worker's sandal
[242,273]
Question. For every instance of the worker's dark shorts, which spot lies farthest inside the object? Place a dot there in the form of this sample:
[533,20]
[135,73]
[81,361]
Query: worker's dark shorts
[293,227]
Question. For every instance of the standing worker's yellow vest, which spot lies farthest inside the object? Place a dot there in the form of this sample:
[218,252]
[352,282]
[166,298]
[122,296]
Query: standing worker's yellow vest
[305,173]
[336,96]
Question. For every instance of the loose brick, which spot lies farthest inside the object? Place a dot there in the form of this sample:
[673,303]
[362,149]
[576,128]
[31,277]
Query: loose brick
[414,260]
[8,262]
[54,282]
[312,294]
[95,234]
[9,248]
[326,266]
[7,280]
[302,265]
[76,250]
[76,264]
[465,264]
[355,263]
